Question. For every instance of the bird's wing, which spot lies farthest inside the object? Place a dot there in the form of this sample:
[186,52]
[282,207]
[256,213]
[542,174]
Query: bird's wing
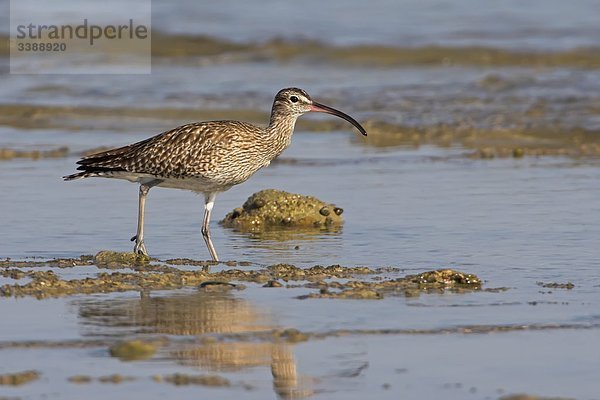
[188,150]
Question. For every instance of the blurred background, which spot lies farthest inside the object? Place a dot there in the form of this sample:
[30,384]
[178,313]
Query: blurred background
[439,85]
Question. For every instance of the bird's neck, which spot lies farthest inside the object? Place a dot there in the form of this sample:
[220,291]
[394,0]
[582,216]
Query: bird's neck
[279,132]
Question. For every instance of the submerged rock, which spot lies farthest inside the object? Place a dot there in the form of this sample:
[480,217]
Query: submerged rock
[290,335]
[115,379]
[333,281]
[556,285]
[19,378]
[410,286]
[9,154]
[274,208]
[80,379]
[131,350]
[444,278]
[115,259]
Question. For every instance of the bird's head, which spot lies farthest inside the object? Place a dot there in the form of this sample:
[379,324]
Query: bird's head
[294,102]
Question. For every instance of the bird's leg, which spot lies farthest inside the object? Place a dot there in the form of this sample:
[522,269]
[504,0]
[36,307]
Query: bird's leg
[139,247]
[208,206]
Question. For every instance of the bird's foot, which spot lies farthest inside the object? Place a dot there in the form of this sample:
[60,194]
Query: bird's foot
[140,247]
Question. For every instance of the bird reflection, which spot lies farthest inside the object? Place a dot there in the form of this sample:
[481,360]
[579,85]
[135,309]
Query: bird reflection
[291,246]
[292,234]
[203,312]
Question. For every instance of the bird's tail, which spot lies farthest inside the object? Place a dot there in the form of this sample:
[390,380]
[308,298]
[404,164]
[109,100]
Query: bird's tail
[79,175]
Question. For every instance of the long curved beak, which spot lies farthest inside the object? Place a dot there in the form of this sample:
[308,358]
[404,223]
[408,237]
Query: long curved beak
[317,107]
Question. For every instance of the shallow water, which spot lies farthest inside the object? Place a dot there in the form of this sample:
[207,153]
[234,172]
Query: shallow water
[516,222]
[512,222]
[412,208]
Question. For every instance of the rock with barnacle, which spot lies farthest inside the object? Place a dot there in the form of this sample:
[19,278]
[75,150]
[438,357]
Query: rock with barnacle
[271,208]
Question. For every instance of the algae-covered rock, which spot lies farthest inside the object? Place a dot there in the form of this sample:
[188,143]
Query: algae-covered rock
[291,335]
[132,350]
[80,379]
[115,259]
[274,208]
[115,379]
[19,378]
[410,286]
[444,277]
[9,154]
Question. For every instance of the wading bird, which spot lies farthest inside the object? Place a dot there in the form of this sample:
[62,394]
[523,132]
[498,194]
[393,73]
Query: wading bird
[204,157]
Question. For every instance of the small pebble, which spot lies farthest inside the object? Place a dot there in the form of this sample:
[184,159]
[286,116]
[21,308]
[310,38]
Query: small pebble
[272,284]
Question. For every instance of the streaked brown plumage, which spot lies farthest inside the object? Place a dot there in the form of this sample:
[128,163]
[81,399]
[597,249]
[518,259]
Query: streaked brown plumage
[205,157]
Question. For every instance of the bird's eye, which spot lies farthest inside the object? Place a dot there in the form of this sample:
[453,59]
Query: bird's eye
[294,99]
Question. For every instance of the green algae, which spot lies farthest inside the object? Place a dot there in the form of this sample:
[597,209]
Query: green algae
[188,261]
[132,350]
[13,273]
[53,263]
[45,284]
[522,139]
[80,379]
[113,379]
[333,281]
[116,379]
[114,259]
[290,335]
[19,378]
[444,278]
[9,154]
[437,281]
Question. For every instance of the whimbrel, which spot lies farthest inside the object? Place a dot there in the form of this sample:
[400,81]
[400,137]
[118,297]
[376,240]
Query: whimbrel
[204,157]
